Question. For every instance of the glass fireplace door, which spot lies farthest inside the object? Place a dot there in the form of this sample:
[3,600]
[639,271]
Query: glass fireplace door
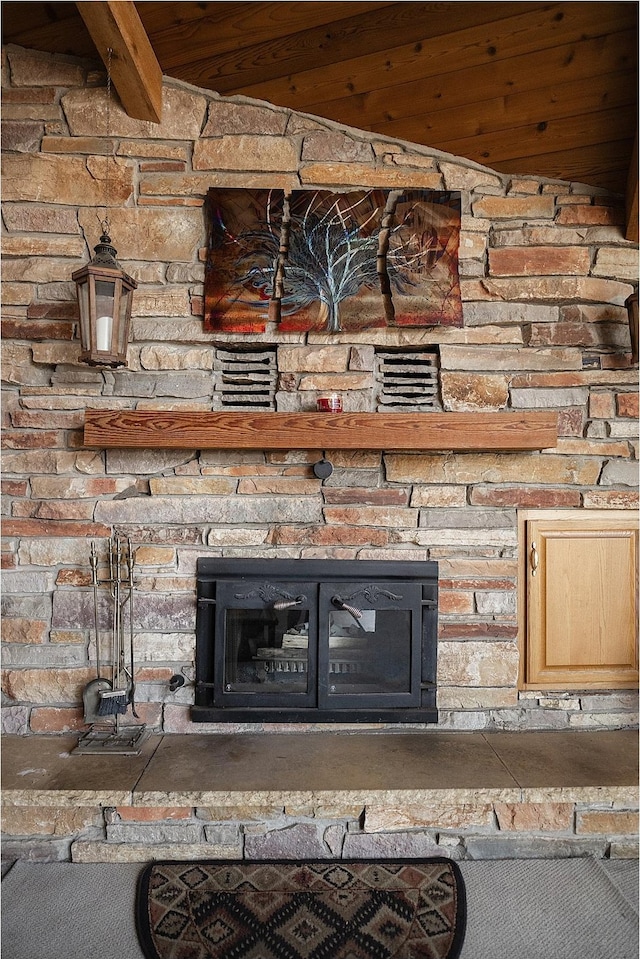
[268,653]
[369,644]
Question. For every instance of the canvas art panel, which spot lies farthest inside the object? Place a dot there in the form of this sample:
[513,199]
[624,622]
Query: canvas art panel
[335,262]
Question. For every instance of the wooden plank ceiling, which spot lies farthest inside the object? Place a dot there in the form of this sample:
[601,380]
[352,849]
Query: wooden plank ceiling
[547,89]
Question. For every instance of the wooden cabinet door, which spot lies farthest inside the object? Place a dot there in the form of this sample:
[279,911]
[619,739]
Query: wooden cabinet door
[582,602]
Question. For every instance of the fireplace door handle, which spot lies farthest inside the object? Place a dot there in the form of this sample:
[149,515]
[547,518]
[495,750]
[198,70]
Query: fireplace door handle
[288,603]
[353,610]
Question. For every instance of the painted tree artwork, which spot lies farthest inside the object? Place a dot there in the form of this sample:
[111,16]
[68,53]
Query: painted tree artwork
[245,227]
[334,262]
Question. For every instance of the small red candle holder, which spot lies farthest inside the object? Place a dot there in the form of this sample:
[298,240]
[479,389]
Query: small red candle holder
[329,403]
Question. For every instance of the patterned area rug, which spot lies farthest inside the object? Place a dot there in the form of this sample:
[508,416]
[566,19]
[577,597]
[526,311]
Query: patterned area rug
[409,909]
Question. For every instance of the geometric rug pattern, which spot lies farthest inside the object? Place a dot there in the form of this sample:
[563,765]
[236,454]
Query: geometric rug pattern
[409,909]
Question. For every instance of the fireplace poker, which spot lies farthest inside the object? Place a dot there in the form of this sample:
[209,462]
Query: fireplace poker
[93,560]
[132,690]
[121,684]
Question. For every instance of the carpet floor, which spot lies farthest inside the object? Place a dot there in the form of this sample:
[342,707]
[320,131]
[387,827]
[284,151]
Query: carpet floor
[529,909]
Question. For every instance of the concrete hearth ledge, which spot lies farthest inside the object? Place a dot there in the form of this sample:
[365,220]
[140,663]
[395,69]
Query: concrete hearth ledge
[321,772]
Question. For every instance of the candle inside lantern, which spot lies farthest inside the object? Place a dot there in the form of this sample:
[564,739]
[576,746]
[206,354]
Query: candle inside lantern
[104,329]
[329,403]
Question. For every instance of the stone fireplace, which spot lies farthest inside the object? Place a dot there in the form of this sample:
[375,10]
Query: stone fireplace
[544,274]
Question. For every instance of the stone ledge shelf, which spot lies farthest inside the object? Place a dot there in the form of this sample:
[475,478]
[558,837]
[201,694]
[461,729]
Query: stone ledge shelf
[326,767]
[151,429]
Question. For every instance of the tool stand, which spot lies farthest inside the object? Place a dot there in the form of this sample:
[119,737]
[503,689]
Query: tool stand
[109,696]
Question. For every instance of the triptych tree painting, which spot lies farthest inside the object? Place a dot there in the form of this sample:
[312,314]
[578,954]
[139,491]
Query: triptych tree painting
[333,262]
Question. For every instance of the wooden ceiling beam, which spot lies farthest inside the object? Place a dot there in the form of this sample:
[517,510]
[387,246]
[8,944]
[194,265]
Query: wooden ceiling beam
[135,71]
[632,195]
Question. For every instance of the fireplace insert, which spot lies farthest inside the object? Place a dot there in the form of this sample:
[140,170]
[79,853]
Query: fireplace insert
[316,641]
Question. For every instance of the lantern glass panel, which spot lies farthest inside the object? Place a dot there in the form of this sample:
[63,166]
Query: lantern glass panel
[105,292]
[124,303]
[85,312]
[83,302]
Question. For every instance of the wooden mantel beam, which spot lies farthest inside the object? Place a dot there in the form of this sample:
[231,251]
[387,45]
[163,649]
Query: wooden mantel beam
[171,429]
[135,71]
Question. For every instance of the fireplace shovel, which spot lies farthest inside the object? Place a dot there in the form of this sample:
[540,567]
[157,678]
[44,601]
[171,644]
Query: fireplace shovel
[94,690]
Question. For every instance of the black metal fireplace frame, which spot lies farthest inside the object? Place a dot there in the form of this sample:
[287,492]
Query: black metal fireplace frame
[210,707]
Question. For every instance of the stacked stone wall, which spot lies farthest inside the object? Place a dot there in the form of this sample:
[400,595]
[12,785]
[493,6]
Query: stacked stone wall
[545,272]
[457,823]
[451,826]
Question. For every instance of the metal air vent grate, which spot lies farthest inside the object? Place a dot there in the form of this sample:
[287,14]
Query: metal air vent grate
[245,379]
[408,381]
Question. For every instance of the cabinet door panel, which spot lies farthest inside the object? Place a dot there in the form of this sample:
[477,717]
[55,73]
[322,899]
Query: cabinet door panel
[581,622]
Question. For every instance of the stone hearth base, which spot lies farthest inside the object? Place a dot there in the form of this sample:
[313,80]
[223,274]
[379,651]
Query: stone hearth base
[324,795]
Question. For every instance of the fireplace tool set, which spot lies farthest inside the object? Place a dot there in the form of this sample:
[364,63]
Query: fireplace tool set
[111,694]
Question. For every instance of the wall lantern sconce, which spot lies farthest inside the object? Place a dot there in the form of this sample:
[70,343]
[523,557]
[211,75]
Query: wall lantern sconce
[105,295]
[631,304]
